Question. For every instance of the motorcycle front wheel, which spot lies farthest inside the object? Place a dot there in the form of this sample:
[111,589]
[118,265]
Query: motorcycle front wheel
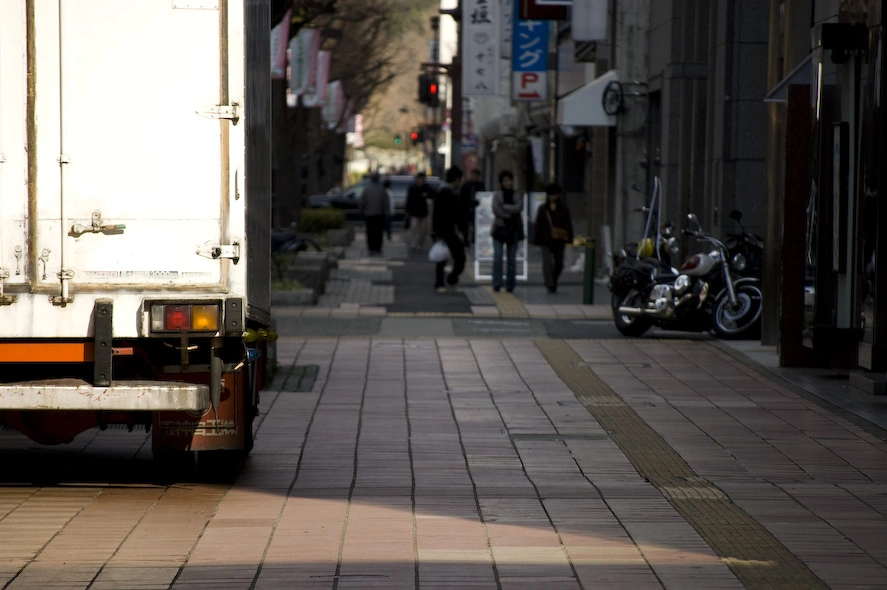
[629,325]
[741,320]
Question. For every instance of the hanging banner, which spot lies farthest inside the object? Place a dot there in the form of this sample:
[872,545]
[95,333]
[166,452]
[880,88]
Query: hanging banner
[480,47]
[303,61]
[333,112]
[279,37]
[529,60]
[589,20]
[317,98]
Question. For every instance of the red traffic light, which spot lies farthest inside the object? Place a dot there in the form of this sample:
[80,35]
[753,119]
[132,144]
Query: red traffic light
[414,135]
[433,88]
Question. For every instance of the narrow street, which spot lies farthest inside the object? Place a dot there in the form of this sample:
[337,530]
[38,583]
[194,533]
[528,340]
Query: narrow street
[477,440]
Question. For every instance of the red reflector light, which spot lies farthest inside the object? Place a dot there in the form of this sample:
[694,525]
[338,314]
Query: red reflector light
[177,317]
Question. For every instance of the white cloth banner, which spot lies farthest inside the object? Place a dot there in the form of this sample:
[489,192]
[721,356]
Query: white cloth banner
[334,107]
[480,47]
[319,96]
[279,37]
[589,20]
[303,61]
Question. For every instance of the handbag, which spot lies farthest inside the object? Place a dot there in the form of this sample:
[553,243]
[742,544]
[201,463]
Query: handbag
[500,233]
[439,251]
[558,234]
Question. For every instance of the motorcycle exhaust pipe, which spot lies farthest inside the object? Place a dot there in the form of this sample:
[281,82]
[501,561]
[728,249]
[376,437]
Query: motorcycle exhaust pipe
[636,311]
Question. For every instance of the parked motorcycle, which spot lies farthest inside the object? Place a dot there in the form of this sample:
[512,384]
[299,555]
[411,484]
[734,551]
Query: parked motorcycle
[750,245]
[705,294]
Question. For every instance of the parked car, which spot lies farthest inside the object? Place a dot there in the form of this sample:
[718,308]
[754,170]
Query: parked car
[349,199]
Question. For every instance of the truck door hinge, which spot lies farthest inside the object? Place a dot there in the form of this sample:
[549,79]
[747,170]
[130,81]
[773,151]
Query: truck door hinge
[5,299]
[216,251]
[221,111]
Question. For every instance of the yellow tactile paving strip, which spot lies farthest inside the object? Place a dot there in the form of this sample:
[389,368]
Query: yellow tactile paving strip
[754,555]
[509,306]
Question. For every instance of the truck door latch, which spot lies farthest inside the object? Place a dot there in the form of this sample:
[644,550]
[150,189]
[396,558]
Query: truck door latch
[221,111]
[5,299]
[216,251]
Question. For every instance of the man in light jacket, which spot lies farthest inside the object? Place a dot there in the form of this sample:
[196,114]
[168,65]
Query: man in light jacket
[375,209]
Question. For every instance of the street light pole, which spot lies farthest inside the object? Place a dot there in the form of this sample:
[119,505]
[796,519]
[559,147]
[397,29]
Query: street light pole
[455,73]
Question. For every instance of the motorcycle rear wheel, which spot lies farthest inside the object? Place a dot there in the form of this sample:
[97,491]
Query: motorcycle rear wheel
[742,321]
[629,325]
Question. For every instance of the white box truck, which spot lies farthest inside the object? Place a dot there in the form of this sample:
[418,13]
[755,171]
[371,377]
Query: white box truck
[134,218]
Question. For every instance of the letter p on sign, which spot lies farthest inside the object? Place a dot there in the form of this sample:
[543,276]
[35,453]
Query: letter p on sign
[530,86]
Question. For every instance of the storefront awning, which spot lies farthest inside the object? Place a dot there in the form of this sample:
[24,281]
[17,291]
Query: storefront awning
[799,75]
[584,107]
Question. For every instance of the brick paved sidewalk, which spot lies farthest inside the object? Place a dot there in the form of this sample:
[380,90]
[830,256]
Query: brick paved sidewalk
[362,286]
[518,464]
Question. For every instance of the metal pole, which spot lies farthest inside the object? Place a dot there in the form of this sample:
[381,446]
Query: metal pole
[552,130]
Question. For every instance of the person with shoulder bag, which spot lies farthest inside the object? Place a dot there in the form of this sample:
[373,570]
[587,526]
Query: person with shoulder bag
[554,230]
[507,230]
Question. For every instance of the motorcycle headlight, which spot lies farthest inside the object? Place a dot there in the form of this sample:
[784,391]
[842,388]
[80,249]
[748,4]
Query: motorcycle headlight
[739,262]
[681,283]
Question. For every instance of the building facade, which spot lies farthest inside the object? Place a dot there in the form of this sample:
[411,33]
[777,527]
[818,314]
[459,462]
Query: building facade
[826,187]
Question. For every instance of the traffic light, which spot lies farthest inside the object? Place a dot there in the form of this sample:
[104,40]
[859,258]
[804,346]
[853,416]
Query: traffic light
[429,90]
[433,93]
[415,137]
[397,139]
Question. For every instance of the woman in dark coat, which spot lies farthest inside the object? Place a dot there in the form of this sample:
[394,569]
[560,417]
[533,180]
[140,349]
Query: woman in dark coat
[554,230]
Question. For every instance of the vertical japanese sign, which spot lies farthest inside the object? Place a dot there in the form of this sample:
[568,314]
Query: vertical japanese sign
[529,59]
[480,47]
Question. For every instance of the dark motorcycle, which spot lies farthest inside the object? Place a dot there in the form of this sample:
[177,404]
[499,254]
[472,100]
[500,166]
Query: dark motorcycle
[749,245]
[706,294]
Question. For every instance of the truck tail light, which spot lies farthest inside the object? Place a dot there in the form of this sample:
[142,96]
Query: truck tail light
[185,318]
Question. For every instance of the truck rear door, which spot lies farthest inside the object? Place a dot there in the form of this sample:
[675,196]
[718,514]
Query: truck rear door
[131,163]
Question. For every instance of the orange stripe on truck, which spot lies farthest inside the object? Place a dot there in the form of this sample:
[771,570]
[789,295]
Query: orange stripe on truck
[46,352]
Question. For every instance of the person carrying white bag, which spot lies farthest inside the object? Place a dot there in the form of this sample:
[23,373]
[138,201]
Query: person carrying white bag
[445,219]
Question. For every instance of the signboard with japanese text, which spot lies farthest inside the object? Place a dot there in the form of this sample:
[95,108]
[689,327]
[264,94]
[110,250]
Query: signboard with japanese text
[529,60]
[480,47]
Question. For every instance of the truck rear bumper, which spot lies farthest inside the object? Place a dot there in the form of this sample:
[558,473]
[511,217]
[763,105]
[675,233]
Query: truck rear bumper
[74,394]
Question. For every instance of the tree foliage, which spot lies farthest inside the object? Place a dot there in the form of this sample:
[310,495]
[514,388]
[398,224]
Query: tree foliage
[365,37]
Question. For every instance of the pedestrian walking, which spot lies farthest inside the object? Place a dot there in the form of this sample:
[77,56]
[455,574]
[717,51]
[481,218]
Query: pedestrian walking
[387,186]
[374,208]
[417,211]
[554,230]
[445,219]
[469,202]
[507,230]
